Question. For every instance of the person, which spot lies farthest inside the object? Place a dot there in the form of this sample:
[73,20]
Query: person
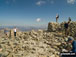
[69,29]
[5,32]
[66,25]
[69,19]
[15,30]
[57,16]
[73,42]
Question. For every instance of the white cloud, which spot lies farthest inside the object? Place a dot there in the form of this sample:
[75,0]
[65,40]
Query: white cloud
[40,3]
[71,1]
[38,19]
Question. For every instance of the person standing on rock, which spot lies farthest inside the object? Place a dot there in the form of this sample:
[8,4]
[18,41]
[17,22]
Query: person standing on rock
[69,29]
[69,20]
[15,30]
[57,16]
[66,26]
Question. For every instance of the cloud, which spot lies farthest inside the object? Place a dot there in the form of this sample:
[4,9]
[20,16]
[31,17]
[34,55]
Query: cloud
[40,3]
[71,1]
[38,19]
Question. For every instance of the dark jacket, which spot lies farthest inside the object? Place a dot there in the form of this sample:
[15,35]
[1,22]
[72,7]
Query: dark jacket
[66,25]
[74,46]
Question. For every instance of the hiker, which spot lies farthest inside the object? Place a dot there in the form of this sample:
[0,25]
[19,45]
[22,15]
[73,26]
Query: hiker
[57,16]
[69,29]
[73,42]
[15,30]
[69,20]
[66,28]
[5,32]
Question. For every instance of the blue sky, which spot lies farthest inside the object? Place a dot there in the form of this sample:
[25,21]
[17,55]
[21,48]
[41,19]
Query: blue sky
[35,12]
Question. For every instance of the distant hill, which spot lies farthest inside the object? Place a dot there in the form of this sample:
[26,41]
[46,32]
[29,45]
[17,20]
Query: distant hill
[24,28]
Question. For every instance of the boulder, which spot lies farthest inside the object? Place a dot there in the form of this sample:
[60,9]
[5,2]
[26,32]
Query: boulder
[53,26]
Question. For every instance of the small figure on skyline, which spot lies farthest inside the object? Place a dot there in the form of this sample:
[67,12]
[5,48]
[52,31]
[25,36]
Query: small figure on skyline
[15,31]
[57,16]
[5,32]
[69,19]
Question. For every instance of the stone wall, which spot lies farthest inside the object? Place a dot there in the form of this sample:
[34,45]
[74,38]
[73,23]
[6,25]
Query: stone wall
[71,29]
[52,26]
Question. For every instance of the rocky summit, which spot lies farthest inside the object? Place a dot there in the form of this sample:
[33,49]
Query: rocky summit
[33,43]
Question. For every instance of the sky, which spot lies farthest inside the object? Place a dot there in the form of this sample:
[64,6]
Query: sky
[35,12]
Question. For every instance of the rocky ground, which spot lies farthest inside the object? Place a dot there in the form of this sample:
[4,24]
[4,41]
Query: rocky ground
[32,44]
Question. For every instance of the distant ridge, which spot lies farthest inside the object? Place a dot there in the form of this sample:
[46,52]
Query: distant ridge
[24,28]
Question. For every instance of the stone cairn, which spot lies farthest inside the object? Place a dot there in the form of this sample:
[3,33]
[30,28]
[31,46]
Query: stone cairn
[53,26]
